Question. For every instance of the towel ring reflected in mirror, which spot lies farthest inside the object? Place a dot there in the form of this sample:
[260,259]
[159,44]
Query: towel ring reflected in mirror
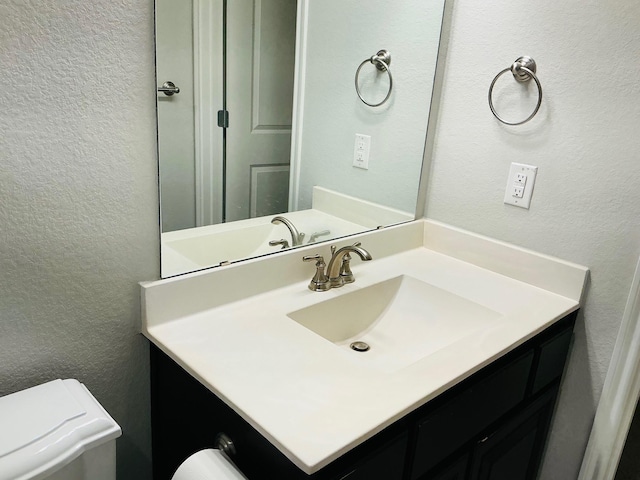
[381,60]
[523,70]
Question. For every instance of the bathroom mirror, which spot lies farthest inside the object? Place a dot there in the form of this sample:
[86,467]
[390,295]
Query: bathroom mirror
[263,141]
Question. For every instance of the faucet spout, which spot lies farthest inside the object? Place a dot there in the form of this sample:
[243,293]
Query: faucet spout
[333,270]
[296,237]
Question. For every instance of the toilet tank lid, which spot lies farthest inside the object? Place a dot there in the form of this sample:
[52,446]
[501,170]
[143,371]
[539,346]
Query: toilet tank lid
[48,426]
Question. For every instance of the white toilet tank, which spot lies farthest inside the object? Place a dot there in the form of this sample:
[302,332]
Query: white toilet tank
[56,431]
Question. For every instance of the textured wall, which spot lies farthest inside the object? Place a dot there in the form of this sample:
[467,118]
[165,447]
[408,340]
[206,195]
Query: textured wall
[78,203]
[585,143]
[333,114]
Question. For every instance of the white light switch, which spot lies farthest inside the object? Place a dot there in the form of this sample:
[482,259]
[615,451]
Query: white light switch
[361,151]
[520,185]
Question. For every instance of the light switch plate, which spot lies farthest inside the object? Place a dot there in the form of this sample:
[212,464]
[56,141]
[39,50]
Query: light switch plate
[520,185]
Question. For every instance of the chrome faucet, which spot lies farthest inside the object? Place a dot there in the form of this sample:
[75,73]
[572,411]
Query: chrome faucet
[296,237]
[338,271]
[339,268]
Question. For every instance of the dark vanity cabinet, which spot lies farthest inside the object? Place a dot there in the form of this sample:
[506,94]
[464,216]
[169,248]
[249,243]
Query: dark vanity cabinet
[491,426]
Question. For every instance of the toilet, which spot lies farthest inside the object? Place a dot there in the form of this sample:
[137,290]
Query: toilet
[56,431]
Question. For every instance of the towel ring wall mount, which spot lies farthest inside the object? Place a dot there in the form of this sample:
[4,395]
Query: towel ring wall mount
[523,70]
[381,60]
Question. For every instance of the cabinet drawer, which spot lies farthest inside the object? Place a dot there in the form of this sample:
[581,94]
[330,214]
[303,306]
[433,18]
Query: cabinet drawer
[464,417]
[553,354]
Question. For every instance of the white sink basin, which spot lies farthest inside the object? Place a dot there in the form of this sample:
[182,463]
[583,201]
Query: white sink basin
[207,250]
[201,247]
[436,305]
[402,320]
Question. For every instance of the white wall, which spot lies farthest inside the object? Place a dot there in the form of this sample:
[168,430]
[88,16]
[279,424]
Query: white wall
[78,203]
[585,141]
[340,36]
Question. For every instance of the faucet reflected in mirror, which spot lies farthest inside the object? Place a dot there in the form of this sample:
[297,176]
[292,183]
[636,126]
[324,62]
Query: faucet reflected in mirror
[296,237]
[277,134]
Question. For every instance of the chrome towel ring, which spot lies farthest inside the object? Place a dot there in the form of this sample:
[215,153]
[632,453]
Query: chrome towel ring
[381,60]
[523,70]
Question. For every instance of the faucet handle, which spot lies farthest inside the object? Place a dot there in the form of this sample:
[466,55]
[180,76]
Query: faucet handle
[282,241]
[345,268]
[315,235]
[320,281]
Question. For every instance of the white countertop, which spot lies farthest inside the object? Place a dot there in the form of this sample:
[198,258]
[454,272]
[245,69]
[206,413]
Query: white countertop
[315,401]
[339,215]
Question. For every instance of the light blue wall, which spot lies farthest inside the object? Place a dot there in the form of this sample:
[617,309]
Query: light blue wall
[340,36]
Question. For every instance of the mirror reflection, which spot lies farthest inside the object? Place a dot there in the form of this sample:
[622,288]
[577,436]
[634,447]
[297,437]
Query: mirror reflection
[263,141]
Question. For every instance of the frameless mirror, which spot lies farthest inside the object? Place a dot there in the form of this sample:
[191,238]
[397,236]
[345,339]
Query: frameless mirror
[283,122]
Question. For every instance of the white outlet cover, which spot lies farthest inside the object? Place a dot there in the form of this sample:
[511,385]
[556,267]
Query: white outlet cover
[512,194]
[361,151]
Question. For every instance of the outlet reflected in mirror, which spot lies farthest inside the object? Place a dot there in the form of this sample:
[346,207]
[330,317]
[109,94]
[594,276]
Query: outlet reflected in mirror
[266,119]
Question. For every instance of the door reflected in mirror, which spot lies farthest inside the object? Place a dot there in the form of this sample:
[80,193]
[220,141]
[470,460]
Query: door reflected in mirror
[263,120]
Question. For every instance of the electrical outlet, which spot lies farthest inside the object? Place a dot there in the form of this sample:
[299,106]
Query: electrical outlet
[520,185]
[517,192]
[361,151]
[521,178]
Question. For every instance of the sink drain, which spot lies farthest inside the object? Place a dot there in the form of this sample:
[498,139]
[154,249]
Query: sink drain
[360,346]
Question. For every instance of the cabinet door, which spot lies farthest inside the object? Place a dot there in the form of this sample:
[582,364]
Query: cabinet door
[513,452]
[456,471]
[384,464]
[466,416]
